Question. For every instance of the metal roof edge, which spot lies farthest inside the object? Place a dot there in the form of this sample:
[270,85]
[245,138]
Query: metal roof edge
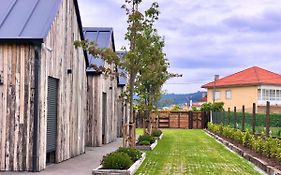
[22,40]
[81,29]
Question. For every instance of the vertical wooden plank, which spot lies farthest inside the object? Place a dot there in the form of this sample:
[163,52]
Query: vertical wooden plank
[31,105]
[10,111]
[22,89]
[4,108]
[16,153]
[179,120]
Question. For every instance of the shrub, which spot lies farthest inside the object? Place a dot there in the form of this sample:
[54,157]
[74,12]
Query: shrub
[156,133]
[133,153]
[267,146]
[248,139]
[148,138]
[117,160]
[144,142]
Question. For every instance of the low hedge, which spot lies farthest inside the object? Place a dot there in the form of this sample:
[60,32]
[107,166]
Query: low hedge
[121,159]
[156,133]
[133,153]
[267,146]
[146,139]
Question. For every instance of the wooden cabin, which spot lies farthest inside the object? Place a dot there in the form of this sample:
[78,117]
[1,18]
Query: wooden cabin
[43,84]
[102,92]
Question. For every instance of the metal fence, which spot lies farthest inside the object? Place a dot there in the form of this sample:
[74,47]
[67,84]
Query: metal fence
[267,123]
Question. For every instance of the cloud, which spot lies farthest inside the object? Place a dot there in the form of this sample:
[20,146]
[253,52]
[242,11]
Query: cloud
[203,38]
[267,22]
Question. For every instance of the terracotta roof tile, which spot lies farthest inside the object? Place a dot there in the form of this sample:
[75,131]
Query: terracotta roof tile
[251,76]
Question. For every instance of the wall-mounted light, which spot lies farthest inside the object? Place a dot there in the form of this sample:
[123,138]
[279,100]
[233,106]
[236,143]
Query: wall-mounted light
[47,48]
[1,80]
[69,71]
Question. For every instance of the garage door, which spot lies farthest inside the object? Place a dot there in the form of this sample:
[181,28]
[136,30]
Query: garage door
[52,114]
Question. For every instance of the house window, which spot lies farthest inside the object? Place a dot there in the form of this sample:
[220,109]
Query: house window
[217,95]
[228,94]
[269,94]
[278,94]
[259,94]
[272,94]
[265,94]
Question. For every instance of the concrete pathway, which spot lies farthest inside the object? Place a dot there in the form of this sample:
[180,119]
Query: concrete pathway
[82,164]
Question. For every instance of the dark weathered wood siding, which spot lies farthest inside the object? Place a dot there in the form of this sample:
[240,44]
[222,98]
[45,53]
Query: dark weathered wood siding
[17,95]
[72,92]
[97,85]
[16,106]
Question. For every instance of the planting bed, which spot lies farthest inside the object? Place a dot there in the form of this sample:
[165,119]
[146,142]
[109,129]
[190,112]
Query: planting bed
[130,171]
[147,147]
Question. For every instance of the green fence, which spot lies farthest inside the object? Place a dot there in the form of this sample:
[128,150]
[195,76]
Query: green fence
[259,126]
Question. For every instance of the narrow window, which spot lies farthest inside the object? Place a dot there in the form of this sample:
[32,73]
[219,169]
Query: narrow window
[278,95]
[228,95]
[259,94]
[272,94]
[217,95]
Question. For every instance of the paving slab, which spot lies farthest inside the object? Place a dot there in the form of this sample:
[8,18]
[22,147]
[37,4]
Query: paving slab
[79,165]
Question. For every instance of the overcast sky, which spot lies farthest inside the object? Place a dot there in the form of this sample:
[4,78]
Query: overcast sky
[203,37]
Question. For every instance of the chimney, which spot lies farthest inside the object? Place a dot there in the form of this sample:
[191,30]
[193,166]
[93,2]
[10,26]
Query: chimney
[217,77]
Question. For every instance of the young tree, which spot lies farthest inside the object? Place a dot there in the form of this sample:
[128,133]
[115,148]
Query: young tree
[145,47]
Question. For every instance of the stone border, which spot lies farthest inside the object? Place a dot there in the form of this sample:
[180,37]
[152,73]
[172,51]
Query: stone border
[256,161]
[147,147]
[132,170]
[160,137]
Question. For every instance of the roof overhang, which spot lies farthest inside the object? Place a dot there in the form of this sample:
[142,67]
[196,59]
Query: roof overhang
[22,40]
[239,85]
[93,73]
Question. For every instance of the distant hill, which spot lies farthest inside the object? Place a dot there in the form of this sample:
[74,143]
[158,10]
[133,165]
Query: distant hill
[179,99]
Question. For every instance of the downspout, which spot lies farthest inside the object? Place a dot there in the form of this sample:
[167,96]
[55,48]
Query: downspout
[35,157]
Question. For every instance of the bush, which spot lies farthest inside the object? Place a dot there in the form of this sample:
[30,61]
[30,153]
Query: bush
[133,153]
[267,146]
[117,160]
[144,142]
[248,139]
[156,133]
[148,138]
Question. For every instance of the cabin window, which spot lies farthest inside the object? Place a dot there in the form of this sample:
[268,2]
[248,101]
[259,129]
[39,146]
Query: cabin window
[228,94]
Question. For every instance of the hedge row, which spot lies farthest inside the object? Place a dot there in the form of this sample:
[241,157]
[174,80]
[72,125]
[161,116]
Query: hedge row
[267,146]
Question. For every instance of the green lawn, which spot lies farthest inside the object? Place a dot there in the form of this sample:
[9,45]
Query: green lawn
[193,152]
[139,131]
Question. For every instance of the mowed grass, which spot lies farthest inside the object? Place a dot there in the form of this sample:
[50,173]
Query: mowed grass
[193,152]
[139,131]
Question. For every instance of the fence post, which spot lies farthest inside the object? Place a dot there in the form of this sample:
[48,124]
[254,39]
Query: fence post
[254,118]
[267,122]
[243,118]
[228,115]
[234,117]
[169,120]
